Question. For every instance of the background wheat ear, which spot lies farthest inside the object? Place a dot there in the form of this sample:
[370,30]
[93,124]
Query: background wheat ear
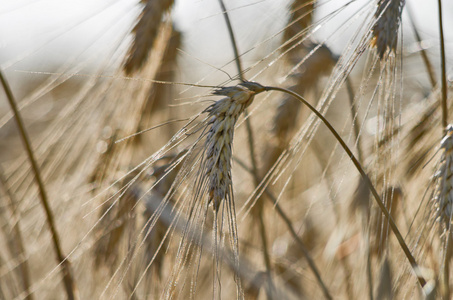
[388,20]
[145,33]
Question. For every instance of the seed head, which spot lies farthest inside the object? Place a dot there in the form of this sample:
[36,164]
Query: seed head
[385,31]
[223,116]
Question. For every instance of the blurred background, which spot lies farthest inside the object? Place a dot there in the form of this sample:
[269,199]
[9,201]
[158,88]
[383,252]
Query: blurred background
[71,66]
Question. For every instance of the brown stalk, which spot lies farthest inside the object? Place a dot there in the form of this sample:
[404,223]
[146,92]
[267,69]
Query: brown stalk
[446,274]
[62,260]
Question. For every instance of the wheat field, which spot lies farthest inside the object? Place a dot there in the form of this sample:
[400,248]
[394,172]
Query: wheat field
[290,149]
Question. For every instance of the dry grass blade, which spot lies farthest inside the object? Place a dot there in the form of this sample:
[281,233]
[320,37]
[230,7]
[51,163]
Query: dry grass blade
[145,33]
[224,114]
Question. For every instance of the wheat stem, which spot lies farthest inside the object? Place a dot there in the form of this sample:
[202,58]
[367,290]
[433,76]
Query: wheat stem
[357,164]
[61,258]
[444,70]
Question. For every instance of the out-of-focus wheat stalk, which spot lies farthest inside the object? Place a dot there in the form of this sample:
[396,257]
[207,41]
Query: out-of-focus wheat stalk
[160,94]
[300,18]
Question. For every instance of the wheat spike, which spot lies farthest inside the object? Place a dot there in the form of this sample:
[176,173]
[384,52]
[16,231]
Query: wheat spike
[314,67]
[223,117]
[385,31]
[145,32]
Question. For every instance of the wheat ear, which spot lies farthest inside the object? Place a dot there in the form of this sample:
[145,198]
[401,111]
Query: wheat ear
[444,69]
[443,201]
[385,31]
[145,33]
